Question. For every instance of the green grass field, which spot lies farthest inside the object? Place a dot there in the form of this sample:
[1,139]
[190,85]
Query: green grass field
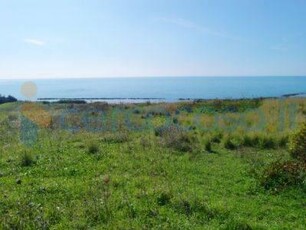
[188,165]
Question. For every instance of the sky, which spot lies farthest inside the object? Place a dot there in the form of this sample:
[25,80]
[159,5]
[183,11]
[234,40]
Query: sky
[125,38]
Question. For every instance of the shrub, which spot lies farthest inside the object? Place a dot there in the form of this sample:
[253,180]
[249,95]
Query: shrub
[249,141]
[208,146]
[187,108]
[93,148]
[182,142]
[297,144]
[216,138]
[27,160]
[136,111]
[166,130]
[283,141]
[157,112]
[279,175]
[175,120]
[263,142]
[119,137]
[177,138]
[100,106]
[267,142]
[163,199]
[230,144]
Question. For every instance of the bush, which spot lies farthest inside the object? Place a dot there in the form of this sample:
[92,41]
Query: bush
[280,175]
[187,108]
[283,141]
[27,160]
[267,142]
[263,141]
[230,144]
[93,148]
[297,144]
[166,130]
[182,142]
[118,137]
[163,199]
[177,138]
[175,120]
[217,137]
[208,146]
[136,111]
[248,141]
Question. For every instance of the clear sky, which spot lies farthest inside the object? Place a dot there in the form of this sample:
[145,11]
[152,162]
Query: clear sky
[106,38]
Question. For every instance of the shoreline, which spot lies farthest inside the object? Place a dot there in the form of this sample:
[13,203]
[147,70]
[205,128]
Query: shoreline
[137,100]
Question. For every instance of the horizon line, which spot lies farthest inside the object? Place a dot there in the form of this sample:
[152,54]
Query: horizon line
[151,76]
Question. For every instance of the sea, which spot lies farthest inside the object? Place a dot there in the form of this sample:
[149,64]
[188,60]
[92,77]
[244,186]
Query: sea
[168,89]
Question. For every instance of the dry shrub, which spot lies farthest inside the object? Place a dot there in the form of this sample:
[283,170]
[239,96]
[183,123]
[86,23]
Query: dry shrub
[37,114]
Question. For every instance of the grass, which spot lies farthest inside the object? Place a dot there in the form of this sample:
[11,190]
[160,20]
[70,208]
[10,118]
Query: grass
[154,168]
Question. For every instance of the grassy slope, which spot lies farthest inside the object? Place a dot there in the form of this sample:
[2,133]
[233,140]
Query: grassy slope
[137,182]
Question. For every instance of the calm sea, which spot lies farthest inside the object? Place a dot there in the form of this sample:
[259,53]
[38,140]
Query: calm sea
[161,88]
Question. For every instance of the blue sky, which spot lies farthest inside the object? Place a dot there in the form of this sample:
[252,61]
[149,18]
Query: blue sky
[108,38]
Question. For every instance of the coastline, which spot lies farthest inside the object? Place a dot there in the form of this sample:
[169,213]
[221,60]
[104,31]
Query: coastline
[139,100]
